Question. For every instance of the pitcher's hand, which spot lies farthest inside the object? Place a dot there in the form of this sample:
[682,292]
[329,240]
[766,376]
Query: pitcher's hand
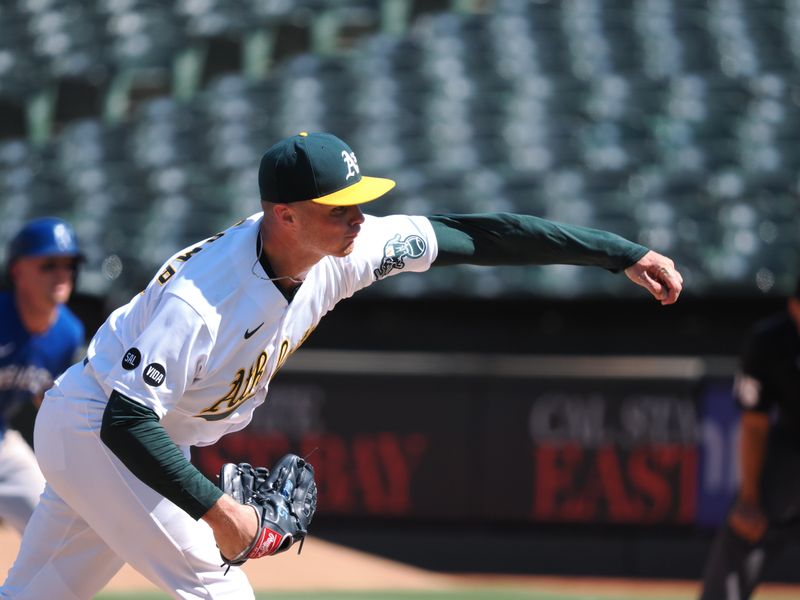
[658,275]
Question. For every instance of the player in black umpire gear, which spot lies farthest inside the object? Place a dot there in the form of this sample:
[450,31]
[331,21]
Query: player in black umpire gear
[766,512]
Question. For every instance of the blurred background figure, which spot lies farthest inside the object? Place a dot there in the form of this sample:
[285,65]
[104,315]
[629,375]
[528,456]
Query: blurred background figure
[766,512]
[39,338]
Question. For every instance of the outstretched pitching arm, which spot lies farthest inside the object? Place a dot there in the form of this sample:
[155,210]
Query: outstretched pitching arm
[514,239]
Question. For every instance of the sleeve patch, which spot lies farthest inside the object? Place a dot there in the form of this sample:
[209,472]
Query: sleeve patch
[131,359]
[747,389]
[154,374]
[396,250]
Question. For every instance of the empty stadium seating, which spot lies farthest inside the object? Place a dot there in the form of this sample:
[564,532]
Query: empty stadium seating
[674,123]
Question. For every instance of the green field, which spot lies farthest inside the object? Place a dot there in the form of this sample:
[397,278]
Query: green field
[487,594]
[482,593]
[466,594]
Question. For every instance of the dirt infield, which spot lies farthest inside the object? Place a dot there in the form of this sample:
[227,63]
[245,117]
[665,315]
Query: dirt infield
[328,567]
[321,566]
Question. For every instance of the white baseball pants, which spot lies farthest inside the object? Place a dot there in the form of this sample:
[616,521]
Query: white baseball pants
[95,515]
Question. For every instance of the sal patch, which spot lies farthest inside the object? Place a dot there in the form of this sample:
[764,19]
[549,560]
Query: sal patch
[396,251]
[131,359]
[154,374]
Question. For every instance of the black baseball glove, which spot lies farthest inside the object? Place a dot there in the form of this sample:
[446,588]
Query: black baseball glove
[285,500]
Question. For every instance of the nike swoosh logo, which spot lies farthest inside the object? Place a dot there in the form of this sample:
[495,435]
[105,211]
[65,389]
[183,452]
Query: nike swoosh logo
[248,334]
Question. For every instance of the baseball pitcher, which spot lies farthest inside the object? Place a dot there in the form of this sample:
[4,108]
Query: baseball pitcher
[190,358]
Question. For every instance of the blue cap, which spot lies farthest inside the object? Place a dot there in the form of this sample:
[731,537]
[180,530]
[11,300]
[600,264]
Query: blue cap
[46,236]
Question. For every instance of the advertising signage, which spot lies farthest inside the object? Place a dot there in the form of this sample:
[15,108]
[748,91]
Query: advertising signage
[609,444]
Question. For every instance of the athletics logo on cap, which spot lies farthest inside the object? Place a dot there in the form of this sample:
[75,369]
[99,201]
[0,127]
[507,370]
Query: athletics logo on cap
[352,164]
[318,167]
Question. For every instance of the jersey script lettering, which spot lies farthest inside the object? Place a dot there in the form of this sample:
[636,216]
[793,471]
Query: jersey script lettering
[242,389]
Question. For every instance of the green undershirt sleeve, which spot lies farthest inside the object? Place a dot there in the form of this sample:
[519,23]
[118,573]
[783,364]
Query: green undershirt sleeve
[132,432]
[512,239]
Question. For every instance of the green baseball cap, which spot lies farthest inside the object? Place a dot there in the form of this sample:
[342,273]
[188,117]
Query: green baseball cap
[318,167]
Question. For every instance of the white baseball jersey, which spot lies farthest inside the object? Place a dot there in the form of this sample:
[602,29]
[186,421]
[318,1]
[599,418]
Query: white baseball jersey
[200,344]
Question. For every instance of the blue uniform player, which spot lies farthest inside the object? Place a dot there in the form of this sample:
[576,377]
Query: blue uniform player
[39,338]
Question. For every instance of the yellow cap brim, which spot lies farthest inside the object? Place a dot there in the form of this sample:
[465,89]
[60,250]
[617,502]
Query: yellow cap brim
[369,188]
